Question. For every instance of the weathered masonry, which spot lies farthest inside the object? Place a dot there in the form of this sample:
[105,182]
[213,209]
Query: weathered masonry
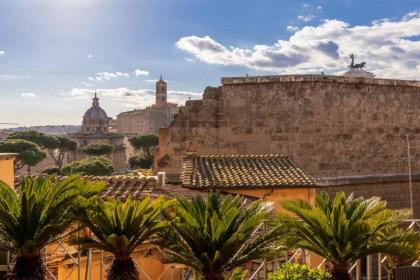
[330,125]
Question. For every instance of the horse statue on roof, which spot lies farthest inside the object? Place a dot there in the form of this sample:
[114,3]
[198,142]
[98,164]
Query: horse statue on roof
[356,65]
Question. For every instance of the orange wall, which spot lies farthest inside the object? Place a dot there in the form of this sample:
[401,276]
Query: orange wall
[277,195]
[7,169]
[148,264]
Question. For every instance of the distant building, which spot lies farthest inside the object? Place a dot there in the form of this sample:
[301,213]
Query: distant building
[150,119]
[95,130]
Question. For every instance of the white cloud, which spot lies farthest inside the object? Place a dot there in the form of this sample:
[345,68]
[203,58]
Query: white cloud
[319,8]
[305,5]
[2,52]
[106,76]
[140,72]
[292,28]
[390,48]
[28,95]
[306,18]
[130,98]
[151,81]
[190,60]
[90,55]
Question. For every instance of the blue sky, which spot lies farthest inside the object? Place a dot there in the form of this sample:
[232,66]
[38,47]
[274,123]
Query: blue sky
[55,53]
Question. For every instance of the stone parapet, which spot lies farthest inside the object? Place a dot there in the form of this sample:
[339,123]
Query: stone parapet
[366,179]
[317,78]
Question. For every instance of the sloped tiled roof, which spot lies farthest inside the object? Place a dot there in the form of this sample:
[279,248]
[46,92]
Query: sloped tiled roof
[122,186]
[242,171]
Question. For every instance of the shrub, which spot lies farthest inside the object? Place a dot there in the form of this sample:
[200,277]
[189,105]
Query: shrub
[140,161]
[98,149]
[97,166]
[53,170]
[297,272]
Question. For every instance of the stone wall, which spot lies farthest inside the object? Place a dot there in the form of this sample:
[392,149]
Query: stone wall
[393,188]
[330,125]
[146,121]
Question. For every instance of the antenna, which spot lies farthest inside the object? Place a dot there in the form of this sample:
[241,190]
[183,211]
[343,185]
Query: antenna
[409,177]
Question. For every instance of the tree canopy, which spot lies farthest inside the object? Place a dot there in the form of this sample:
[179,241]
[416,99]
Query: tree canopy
[146,144]
[28,153]
[56,145]
[98,149]
[97,166]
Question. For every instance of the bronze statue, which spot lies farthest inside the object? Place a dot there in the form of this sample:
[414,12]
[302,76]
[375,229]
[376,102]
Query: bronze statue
[357,65]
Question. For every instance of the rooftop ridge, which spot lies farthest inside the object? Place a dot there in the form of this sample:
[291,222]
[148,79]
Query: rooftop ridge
[317,78]
[242,156]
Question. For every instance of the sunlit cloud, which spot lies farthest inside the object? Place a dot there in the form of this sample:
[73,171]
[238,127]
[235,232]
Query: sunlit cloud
[140,72]
[106,76]
[2,52]
[306,18]
[28,95]
[292,28]
[390,48]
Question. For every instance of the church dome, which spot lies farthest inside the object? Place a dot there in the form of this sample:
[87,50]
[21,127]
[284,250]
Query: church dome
[95,120]
[95,112]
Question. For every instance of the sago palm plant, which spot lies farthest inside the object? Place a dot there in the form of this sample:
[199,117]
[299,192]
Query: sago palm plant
[216,235]
[119,228]
[36,215]
[342,229]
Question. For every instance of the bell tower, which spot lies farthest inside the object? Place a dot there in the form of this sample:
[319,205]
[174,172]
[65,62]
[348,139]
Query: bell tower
[161,92]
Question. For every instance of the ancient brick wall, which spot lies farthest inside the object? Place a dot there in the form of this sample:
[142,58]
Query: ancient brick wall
[392,188]
[330,125]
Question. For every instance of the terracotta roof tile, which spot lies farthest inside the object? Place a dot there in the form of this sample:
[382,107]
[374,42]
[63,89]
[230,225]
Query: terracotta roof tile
[122,186]
[242,171]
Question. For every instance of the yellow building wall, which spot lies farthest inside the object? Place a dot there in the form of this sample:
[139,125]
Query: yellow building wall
[146,265]
[7,169]
[277,195]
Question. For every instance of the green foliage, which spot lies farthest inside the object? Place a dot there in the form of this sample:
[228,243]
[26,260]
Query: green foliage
[341,229]
[216,235]
[140,161]
[56,145]
[403,247]
[120,227]
[146,143]
[98,149]
[238,273]
[28,152]
[97,166]
[53,170]
[38,215]
[298,272]
[29,135]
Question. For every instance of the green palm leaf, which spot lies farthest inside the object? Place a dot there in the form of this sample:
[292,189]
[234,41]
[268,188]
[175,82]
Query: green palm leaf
[217,235]
[37,215]
[341,229]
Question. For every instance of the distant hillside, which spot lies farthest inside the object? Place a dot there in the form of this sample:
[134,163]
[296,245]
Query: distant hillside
[48,129]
